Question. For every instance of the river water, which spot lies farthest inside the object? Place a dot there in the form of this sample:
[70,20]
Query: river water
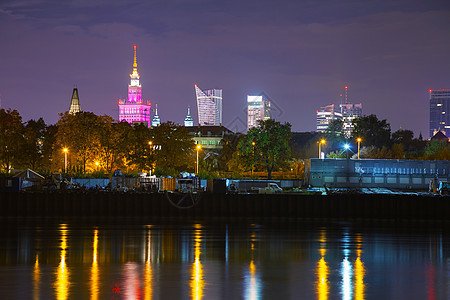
[129,259]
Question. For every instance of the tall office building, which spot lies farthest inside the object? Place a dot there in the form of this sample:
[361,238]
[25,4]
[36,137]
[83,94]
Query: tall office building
[325,115]
[209,106]
[350,112]
[75,103]
[134,110]
[258,108]
[439,111]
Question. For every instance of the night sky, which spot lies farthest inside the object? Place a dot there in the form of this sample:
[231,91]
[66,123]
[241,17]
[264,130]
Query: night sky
[300,54]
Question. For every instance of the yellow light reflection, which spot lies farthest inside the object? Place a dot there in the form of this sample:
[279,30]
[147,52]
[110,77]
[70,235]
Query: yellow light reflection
[148,275]
[197,281]
[252,282]
[94,269]
[62,283]
[322,284]
[36,278]
[359,277]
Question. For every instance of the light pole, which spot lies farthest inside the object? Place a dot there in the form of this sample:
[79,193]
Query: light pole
[253,160]
[150,143]
[359,142]
[346,147]
[322,141]
[65,159]
[198,149]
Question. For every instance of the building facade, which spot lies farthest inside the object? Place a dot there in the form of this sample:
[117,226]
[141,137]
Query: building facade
[188,121]
[327,114]
[209,106]
[134,110]
[75,103]
[439,111]
[350,112]
[209,137]
[258,108]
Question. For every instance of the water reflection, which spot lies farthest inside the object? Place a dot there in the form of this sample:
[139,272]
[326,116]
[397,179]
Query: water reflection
[252,280]
[36,278]
[148,273]
[197,280]
[179,261]
[94,269]
[322,284]
[62,283]
[359,270]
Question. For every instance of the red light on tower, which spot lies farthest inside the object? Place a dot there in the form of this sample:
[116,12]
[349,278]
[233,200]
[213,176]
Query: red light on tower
[346,87]
[429,91]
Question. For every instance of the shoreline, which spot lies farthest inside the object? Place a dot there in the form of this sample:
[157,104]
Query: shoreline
[208,206]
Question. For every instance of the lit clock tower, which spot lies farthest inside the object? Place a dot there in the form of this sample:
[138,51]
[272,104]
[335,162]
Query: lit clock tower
[134,110]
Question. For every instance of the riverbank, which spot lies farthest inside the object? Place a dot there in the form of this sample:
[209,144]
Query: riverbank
[225,206]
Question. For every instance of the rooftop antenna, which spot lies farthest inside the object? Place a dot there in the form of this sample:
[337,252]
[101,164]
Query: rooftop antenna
[346,94]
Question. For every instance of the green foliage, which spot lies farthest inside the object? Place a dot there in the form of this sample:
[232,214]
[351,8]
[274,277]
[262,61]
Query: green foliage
[271,146]
[373,132]
[334,135]
[337,154]
[11,139]
[436,149]
[175,147]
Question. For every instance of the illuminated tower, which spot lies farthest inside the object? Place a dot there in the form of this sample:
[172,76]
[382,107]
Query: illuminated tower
[209,106]
[349,112]
[325,115]
[156,120]
[439,111]
[188,122]
[75,103]
[134,110]
[257,109]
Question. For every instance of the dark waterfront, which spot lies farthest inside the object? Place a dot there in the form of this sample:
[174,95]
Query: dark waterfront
[127,259]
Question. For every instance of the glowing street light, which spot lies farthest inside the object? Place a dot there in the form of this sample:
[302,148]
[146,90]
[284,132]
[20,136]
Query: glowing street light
[321,142]
[198,149]
[65,150]
[253,160]
[346,147]
[359,143]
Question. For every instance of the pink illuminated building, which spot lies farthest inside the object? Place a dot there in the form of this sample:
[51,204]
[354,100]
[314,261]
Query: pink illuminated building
[134,110]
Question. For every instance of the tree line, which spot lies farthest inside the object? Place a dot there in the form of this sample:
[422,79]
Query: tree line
[98,145]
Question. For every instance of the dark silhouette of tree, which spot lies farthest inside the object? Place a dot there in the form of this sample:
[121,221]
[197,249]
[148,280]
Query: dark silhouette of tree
[372,131]
[11,139]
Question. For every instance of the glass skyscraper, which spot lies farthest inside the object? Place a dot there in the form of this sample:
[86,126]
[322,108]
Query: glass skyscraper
[439,111]
[257,109]
[209,106]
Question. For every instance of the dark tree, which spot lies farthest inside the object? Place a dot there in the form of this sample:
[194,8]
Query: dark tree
[372,131]
[267,145]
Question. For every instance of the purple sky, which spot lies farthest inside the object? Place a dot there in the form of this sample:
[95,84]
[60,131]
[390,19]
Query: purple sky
[299,53]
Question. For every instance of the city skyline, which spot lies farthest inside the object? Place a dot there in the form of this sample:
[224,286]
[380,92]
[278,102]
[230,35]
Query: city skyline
[389,54]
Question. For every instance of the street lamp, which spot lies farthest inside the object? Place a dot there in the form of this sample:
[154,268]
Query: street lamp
[253,160]
[65,159]
[322,141]
[198,149]
[346,147]
[359,142]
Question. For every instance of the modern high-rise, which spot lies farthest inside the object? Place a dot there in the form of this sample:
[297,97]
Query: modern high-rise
[75,103]
[156,120]
[209,106]
[188,121]
[439,111]
[350,112]
[134,110]
[325,115]
[258,109]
